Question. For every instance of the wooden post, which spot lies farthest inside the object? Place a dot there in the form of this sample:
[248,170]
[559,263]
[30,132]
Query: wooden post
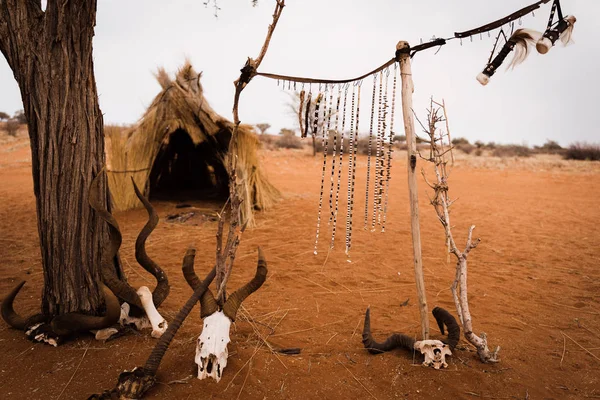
[411,140]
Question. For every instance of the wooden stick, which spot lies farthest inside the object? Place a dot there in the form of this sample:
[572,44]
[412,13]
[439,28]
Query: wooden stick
[564,349]
[308,329]
[76,369]
[359,382]
[409,130]
[448,129]
[583,348]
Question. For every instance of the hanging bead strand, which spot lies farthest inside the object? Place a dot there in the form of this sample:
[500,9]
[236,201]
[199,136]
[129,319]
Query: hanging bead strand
[352,167]
[314,133]
[384,125]
[341,135]
[390,148]
[334,152]
[369,152]
[377,154]
[350,163]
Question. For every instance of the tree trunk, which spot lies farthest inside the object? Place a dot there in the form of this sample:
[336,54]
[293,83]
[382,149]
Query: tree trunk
[50,54]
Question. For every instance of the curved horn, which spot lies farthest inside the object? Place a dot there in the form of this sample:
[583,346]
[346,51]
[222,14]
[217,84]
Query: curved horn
[235,300]
[161,347]
[394,341]
[109,276]
[208,304]
[444,317]
[8,312]
[69,323]
[188,269]
[161,291]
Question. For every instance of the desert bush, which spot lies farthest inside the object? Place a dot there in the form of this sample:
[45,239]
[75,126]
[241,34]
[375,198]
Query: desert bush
[20,117]
[583,151]
[4,115]
[401,145]
[479,144]
[550,147]
[511,150]
[11,127]
[491,145]
[399,138]
[288,140]
[460,140]
[466,148]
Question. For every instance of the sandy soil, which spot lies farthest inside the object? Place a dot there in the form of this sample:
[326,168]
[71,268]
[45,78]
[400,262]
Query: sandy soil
[534,286]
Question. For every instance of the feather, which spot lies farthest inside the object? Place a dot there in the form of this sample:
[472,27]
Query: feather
[522,38]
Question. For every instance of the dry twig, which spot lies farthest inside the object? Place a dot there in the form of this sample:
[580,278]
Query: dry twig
[441,204]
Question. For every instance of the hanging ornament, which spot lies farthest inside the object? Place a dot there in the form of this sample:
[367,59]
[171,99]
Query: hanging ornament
[307,113]
[376,193]
[562,29]
[323,141]
[518,41]
[300,114]
[390,149]
[369,151]
[352,167]
[341,135]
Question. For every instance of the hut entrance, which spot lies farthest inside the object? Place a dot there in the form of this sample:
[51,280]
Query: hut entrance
[183,171]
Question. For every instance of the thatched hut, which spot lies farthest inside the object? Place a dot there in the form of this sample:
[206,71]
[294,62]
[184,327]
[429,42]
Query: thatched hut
[179,149]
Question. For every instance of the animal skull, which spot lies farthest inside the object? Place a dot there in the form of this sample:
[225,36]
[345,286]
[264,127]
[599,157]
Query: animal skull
[435,353]
[211,350]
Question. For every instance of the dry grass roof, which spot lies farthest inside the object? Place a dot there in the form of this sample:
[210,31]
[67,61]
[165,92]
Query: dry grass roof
[181,105]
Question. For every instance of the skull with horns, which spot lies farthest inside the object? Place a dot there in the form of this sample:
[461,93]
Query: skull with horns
[434,351]
[211,349]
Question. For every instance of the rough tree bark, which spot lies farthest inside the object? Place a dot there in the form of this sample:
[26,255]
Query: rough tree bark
[50,54]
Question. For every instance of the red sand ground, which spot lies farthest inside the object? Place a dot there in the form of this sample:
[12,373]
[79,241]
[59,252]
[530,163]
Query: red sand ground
[533,284]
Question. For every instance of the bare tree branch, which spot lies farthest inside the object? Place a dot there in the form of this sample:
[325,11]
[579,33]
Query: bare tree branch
[441,204]
[226,256]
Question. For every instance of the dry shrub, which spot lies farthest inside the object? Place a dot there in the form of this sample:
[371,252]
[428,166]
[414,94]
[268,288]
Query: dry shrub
[550,147]
[289,141]
[511,150]
[583,151]
[466,148]
[460,140]
[11,127]
[331,144]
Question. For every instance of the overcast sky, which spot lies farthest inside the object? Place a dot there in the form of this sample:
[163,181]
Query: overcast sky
[555,96]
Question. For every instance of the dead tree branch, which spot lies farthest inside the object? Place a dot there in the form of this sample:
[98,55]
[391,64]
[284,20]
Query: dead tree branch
[441,203]
[226,255]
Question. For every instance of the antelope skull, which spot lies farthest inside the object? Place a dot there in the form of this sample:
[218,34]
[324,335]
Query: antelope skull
[211,348]
[434,351]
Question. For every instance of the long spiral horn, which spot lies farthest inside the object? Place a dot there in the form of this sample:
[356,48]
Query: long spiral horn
[11,317]
[443,317]
[234,301]
[135,383]
[70,323]
[208,304]
[161,347]
[161,291]
[397,340]
[109,276]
